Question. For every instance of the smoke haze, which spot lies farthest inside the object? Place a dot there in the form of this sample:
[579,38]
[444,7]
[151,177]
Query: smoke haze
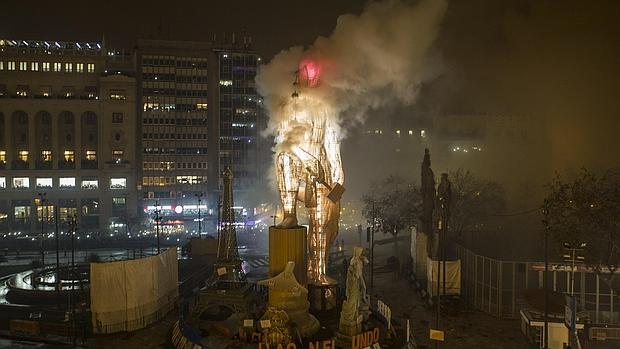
[373,59]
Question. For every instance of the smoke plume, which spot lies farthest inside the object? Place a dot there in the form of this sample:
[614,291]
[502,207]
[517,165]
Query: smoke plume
[371,60]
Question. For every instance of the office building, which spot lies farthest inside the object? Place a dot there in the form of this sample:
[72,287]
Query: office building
[67,135]
[198,108]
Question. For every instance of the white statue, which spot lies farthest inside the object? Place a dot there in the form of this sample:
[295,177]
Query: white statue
[355,309]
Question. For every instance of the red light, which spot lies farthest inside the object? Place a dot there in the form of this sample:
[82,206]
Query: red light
[309,72]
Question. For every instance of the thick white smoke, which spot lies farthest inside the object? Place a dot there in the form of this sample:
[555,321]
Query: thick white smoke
[370,60]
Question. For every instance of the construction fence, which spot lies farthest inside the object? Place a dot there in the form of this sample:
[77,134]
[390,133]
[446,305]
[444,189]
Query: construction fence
[129,295]
[494,286]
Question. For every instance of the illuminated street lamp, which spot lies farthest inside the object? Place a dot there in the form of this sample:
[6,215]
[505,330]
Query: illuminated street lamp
[40,201]
[199,196]
[571,256]
[157,220]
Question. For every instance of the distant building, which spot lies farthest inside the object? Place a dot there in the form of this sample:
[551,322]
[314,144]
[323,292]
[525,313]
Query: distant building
[510,149]
[67,130]
[198,106]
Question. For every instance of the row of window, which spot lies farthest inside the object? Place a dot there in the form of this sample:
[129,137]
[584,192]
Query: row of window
[163,181]
[163,77]
[189,151]
[178,121]
[67,67]
[398,132]
[170,165]
[172,136]
[173,92]
[167,107]
[68,155]
[197,63]
[63,183]
[66,92]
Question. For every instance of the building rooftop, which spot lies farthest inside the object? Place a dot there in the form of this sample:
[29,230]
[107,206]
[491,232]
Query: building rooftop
[51,45]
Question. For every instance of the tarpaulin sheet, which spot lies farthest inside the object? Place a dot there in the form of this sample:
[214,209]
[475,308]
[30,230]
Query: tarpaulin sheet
[129,295]
[452,273]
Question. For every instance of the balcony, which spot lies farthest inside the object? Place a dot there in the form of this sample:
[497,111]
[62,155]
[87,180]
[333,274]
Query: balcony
[66,165]
[89,164]
[117,163]
[19,165]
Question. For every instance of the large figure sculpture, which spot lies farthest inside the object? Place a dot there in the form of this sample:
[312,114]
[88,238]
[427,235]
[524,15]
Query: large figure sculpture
[310,170]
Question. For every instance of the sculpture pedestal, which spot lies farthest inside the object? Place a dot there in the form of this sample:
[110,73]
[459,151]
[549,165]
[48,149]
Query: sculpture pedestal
[322,297]
[347,329]
[289,245]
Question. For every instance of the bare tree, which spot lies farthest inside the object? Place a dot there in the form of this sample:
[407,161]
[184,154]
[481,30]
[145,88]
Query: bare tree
[474,201]
[586,209]
[394,203]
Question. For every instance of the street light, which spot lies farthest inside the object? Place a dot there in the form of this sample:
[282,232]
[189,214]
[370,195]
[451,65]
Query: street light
[72,229]
[199,196]
[41,201]
[571,257]
[157,220]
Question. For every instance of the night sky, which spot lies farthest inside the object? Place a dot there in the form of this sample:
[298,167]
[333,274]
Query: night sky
[557,60]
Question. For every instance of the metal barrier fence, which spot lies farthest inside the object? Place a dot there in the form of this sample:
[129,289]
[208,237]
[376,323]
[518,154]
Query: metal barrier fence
[493,286]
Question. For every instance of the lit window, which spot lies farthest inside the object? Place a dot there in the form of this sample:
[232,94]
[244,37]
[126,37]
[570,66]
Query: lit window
[117,94]
[22,213]
[23,66]
[10,65]
[34,66]
[2,156]
[68,91]
[189,179]
[118,183]
[201,106]
[66,182]
[2,182]
[410,132]
[119,201]
[22,155]
[90,184]
[46,155]
[91,155]
[68,67]
[46,91]
[422,133]
[398,132]
[90,67]
[226,82]
[1,65]
[45,66]
[117,154]
[117,118]
[69,155]
[44,182]
[22,90]
[57,66]
[79,67]
[21,182]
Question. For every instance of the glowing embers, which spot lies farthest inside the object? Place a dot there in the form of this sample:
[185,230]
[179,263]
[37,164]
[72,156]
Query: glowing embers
[309,72]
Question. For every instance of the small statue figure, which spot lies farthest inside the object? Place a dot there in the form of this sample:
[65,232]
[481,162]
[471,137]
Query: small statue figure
[355,309]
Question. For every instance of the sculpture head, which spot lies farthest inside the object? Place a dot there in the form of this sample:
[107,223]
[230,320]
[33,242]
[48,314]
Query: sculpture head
[289,268]
[357,251]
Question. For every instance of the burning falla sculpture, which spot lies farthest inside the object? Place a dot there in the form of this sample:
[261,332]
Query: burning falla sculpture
[310,170]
